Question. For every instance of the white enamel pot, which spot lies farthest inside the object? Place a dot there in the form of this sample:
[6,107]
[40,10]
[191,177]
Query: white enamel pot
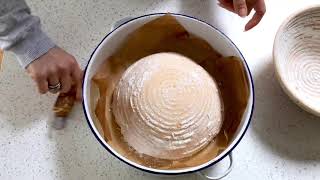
[216,38]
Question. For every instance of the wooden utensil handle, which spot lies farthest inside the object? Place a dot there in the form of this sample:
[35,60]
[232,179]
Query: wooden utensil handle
[64,103]
[1,58]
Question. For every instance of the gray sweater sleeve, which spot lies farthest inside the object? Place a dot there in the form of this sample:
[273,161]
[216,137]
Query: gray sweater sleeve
[20,32]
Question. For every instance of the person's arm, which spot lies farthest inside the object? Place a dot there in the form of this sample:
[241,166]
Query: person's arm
[20,32]
[48,65]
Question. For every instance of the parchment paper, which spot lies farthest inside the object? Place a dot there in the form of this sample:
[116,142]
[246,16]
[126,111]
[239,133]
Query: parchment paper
[165,34]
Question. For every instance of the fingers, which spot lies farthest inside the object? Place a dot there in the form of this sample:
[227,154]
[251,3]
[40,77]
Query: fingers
[236,6]
[254,21]
[240,7]
[77,78]
[42,84]
[41,80]
[222,1]
[66,83]
[53,80]
[227,5]
[260,9]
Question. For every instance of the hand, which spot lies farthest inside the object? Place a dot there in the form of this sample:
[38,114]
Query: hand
[243,8]
[54,67]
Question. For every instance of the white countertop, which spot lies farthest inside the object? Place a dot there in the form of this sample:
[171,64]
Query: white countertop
[281,143]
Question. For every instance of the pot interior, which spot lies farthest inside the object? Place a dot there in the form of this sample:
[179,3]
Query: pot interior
[109,45]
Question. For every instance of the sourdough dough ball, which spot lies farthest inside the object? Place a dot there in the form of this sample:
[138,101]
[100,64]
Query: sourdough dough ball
[167,106]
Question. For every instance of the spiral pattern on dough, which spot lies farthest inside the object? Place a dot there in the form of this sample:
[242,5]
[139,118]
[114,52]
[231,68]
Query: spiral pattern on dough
[298,57]
[167,106]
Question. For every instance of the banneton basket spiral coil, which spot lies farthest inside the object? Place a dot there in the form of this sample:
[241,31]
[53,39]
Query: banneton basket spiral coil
[167,106]
[297,58]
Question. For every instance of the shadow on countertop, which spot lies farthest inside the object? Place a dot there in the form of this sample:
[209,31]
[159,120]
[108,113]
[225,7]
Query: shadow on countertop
[280,124]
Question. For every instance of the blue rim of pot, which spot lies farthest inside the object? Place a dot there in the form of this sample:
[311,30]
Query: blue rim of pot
[187,171]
